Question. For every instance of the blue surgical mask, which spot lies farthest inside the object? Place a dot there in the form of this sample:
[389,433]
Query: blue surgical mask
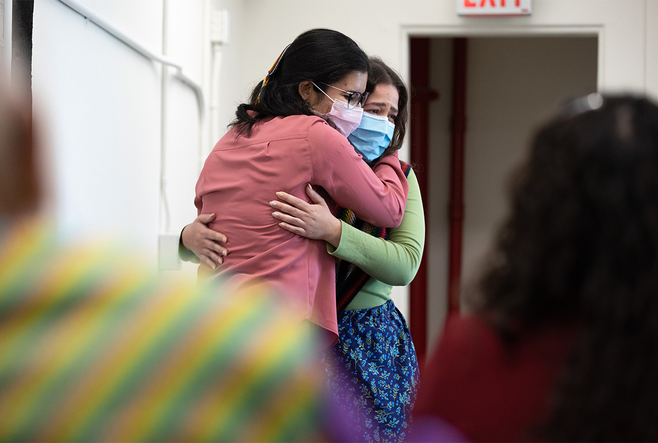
[372,137]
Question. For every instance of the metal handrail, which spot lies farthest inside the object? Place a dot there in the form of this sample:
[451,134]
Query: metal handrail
[114,32]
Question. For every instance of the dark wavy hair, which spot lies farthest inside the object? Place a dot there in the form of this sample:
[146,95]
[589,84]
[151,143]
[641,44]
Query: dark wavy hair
[381,73]
[581,245]
[321,55]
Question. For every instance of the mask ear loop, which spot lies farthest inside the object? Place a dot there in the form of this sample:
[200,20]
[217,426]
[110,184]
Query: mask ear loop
[322,91]
[275,65]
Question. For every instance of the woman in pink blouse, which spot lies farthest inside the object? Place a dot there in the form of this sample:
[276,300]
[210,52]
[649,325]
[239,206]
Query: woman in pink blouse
[292,133]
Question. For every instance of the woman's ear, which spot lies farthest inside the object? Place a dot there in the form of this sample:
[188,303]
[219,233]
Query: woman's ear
[306,91]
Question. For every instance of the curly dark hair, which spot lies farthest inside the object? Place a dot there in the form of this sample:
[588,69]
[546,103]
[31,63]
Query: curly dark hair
[581,245]
[381,73]
[322,55]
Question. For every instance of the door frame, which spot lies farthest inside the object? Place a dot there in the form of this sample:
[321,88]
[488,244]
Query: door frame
[418,312]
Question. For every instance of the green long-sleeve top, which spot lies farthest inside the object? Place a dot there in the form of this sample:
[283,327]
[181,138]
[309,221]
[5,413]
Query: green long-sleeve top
[392,262]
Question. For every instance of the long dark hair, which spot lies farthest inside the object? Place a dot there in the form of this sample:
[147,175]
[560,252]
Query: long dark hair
[581,244]
[381,73]
[321,55]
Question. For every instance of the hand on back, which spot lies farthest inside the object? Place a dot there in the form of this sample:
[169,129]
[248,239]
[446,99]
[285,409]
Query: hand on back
[206,244]
[310,220]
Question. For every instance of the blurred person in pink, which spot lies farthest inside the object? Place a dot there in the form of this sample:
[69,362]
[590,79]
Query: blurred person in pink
[291,133]
[562,344]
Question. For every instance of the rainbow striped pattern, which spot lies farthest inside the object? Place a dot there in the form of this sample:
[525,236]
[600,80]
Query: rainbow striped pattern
[95,351]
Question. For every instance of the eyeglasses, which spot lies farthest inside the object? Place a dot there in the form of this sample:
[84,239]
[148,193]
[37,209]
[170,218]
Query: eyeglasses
[354,98]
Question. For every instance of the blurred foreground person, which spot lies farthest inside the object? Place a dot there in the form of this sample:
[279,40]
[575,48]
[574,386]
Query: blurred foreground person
[94,349]
[563,345]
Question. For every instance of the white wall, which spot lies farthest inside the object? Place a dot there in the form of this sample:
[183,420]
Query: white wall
[100,105]
[185,42]
[101,102]
[234,86]
[4,37]
[651,52]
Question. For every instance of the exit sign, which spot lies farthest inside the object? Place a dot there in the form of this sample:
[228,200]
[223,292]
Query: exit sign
[506,8]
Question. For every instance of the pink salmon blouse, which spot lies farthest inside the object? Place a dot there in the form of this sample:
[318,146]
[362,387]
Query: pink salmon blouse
[240,178]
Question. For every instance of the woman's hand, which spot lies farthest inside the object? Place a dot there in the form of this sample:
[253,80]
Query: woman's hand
[310,220]
[204,242]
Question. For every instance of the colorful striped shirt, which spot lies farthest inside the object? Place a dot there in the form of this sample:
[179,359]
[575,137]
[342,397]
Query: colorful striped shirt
[93,349]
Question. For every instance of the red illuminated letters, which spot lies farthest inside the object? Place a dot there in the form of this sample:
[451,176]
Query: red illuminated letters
[472,4]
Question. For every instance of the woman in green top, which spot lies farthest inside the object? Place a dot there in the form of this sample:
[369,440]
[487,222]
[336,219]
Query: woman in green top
[373,369]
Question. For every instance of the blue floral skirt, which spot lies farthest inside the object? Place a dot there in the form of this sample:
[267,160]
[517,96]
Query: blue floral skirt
[373,373]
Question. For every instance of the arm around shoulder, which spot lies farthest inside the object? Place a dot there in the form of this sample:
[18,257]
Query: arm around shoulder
[394,261]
